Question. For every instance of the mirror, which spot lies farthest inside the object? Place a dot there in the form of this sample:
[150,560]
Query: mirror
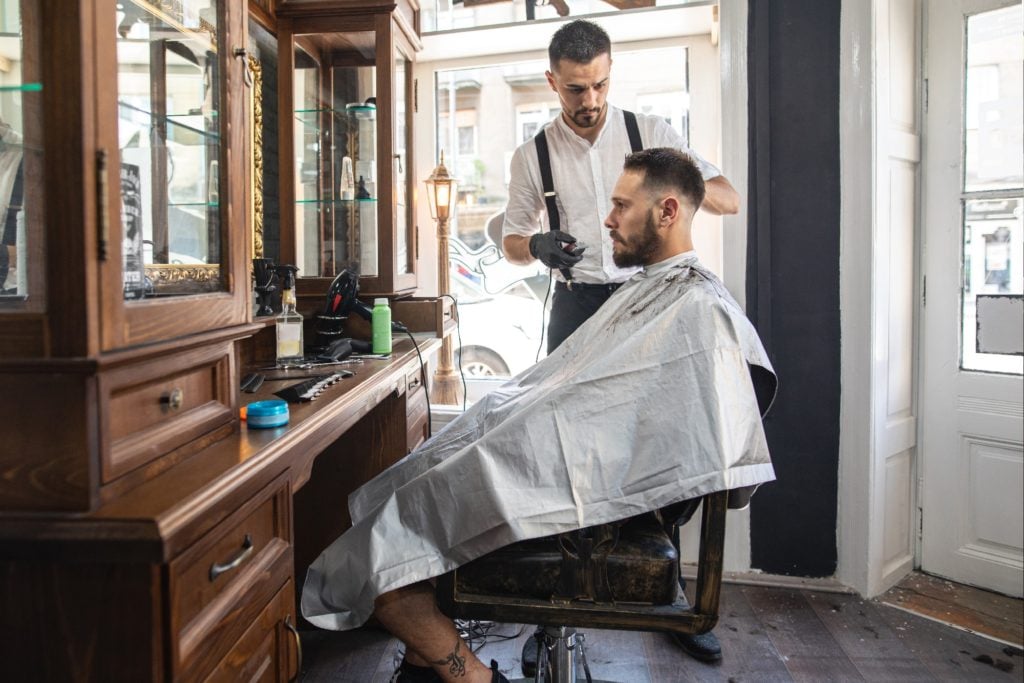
[169,135]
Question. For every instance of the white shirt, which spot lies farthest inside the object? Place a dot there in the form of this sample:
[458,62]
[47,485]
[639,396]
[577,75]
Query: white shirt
[584,176]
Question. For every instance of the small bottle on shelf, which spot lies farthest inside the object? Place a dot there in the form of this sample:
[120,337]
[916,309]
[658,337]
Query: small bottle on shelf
[289,322]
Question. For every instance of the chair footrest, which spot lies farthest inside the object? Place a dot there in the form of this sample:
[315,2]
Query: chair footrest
[675,617]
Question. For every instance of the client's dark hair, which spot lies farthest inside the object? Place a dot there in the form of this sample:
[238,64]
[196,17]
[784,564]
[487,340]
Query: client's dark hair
[578,41]
[664,167]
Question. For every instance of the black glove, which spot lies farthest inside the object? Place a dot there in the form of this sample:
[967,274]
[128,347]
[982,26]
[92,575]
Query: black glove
[555,249]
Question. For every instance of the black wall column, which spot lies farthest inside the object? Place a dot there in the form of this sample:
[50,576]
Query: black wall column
[793,275]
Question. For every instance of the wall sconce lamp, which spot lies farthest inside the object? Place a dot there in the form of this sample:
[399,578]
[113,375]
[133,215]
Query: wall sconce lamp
[441,193]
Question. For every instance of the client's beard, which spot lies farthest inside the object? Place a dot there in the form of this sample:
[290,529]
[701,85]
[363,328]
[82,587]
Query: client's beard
[637,250]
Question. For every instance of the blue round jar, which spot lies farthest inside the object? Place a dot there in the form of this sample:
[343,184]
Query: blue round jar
[267,414]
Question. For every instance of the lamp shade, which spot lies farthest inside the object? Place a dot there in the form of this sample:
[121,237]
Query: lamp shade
[440,191]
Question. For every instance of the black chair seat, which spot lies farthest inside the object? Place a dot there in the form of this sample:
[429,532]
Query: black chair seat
[615,576]
[639,566]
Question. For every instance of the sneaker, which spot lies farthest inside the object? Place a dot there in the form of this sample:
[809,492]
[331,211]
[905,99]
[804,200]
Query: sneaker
[703,646]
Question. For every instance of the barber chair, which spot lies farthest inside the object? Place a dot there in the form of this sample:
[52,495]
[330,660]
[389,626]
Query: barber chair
[623,575]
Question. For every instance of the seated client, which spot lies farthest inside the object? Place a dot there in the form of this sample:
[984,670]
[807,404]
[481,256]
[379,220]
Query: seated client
[650,402]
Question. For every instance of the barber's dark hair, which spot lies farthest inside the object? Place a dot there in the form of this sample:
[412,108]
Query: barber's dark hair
[664,167]
[578,41]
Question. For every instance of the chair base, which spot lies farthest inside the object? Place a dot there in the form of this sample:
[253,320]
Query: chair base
[563,657]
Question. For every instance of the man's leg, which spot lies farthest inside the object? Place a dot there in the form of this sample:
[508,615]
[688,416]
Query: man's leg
[572,308]
[410,613]
[705,646]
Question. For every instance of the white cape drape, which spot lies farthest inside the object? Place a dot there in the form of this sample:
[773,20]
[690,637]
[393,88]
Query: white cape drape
[648,403]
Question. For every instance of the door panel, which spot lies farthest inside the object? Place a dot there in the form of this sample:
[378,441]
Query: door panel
[972,465]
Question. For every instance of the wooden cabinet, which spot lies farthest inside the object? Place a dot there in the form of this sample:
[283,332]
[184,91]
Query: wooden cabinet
[133,177]
[225,581]
[126,280]
[145,534]
[346,142]
[221,606]
[417,405]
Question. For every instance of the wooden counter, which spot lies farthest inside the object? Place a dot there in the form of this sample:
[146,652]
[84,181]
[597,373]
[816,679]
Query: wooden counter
[166,581]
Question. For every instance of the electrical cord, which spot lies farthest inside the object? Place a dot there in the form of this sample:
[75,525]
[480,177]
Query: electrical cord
[543,316]
[477,634]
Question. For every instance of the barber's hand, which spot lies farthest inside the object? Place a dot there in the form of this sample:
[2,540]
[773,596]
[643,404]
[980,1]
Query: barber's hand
[555,249]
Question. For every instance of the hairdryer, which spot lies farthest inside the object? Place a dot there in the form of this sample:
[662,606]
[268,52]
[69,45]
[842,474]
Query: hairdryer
[343,296]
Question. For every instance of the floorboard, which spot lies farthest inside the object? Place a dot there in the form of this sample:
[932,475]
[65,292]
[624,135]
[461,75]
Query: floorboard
[805,645]
[768,635]
[968,607]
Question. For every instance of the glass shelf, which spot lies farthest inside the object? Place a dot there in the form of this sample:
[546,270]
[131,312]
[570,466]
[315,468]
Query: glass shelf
[24,87]
[336,201]
[178,131]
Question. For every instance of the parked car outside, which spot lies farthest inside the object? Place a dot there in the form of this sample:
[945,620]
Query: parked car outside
[500,309]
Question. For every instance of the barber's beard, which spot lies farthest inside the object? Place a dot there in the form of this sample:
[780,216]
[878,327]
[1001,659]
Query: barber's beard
[637,250]
[580,119]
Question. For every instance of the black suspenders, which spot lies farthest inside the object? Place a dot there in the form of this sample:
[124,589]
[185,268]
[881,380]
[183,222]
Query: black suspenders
[544,159]
[635,143]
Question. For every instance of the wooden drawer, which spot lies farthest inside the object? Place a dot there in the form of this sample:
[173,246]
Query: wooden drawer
[415,409]
[218,586]
[152,408]
[269,650]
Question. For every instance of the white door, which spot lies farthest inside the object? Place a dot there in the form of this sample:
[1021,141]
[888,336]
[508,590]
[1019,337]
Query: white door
[971,400]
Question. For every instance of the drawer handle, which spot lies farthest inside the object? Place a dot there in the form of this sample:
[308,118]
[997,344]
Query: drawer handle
[298,645]
[217,569]
[414,384]
[173,399]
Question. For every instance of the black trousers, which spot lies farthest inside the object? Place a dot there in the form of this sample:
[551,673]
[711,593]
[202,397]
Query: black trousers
[570,308]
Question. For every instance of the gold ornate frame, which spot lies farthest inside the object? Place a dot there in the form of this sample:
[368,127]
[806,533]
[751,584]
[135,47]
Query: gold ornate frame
[256,118]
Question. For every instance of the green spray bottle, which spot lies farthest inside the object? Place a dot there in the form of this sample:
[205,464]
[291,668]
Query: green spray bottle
[381,326]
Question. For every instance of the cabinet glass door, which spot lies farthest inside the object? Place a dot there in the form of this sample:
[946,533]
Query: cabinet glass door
[21,157]
[169,135]
[335,130]
[405,258]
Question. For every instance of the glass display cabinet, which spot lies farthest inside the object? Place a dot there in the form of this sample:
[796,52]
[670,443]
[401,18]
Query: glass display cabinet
[345,150]
[175,205]
[124,262]
[22,271]
[107,245]
[124,319]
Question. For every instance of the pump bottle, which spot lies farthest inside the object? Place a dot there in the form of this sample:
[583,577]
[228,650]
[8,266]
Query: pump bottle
[289,322]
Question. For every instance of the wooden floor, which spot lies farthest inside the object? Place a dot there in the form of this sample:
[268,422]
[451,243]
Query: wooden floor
[767,634]
[973,609]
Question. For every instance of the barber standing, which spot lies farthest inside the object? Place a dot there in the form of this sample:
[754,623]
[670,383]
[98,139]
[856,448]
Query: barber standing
[560,189]
[586,145]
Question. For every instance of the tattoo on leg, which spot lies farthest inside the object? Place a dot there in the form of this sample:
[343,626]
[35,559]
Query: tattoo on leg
[456,663]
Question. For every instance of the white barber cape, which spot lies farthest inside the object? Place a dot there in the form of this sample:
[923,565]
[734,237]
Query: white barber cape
[648,403]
